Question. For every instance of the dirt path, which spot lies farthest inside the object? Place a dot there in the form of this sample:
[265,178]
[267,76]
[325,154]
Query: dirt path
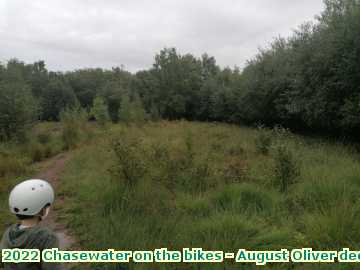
[50,172]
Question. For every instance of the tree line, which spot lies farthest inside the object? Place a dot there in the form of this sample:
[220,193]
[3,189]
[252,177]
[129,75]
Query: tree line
[309,81]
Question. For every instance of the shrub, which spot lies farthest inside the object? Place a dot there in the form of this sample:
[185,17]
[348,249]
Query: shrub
[201,178]
[236,150]
[189,150]
[18,109]
[129,164]
[11,165]
[44,138]
[287,169]
[132,111]
[100,111]
[160,152]
[263,140]
[235,170]
[48,151]
[282,133]
[155,114]
[36,152]
[72,120]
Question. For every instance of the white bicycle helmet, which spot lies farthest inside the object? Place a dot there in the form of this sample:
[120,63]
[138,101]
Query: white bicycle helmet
[29,197]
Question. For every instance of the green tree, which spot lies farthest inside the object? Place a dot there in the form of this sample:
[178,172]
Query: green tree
[112,92]
[57,96]
[100,111]
[18,110]
[132,111]
[73,119]
[87,83]
[179,79]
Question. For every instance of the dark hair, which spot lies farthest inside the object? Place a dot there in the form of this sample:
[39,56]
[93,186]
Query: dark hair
[22,217]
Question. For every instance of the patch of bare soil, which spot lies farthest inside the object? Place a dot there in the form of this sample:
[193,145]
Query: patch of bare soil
[52,169]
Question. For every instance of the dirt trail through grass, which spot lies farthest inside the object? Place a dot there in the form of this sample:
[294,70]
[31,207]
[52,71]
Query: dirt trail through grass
[51,171]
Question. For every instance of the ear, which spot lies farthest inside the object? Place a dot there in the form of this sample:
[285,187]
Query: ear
[43,213]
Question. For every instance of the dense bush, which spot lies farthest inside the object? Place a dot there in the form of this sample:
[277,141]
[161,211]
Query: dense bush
[129,167]
[44,138]
[36,151]
[73,121]
[18,110]
[287,169]
[131,110]
[263,140]
[56,97]
[11,165]
[100,111]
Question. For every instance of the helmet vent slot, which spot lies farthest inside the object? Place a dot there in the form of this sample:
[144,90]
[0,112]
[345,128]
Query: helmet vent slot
[16,210]
[25,209]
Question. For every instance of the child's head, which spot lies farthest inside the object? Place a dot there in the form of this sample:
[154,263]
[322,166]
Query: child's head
[31,198]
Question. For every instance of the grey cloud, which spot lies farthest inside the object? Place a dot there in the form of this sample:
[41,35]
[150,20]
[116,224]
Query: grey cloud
[70,34]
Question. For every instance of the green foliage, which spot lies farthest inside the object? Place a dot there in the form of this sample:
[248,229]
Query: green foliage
[11,165]
[189,152]
[36,152]
[72,120]
[56,97]
[113,91]
[18,110]
[87,83]
[44,138]
[263,140]
[154,114]
[132,111]
[178,78]
[100,111]
[129,166]
[351,113]
[287,169]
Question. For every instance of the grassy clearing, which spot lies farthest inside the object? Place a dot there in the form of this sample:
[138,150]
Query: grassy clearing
[213,186]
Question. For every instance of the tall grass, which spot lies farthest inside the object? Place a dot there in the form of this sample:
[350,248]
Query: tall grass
[180,184]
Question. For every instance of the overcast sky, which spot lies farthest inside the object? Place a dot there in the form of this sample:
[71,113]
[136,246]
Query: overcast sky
[73,34]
